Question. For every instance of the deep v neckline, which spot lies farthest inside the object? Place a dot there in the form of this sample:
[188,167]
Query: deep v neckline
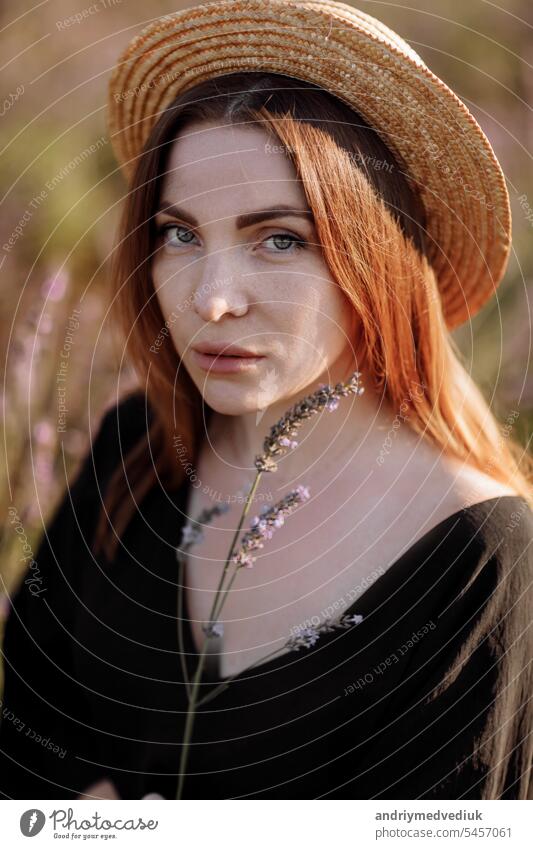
[191,651]
[364,604]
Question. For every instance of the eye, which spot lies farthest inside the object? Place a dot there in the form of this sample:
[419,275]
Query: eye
[287,240]
[295,241]
[164,228]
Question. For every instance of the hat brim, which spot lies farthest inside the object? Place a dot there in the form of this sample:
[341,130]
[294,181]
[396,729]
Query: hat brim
[437,140]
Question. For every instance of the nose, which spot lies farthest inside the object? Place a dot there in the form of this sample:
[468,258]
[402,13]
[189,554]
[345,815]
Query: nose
[219,291]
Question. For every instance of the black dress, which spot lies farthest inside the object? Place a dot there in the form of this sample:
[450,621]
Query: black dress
[94,685]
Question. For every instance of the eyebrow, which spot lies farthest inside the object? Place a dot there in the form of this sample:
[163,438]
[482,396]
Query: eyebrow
[247,219]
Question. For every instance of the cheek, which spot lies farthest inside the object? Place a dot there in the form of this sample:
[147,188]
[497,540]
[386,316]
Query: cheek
[169,294]
[337,314]
[173,314]
[334,324]
[313,316]
[169,272]
[165,300]
[161,285]
[321,311]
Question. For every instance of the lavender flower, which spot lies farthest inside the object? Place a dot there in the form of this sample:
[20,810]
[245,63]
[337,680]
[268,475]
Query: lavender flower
[263,526]
[326,396]
[192,533]
[355,619]
[307,637]
[213,629]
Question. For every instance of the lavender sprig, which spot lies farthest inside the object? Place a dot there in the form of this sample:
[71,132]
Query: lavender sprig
[278,440]
[264,525]
[306,638]
[192,533]
[277,443]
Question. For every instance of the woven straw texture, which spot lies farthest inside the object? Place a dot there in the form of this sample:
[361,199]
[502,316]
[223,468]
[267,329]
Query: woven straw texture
[368,66]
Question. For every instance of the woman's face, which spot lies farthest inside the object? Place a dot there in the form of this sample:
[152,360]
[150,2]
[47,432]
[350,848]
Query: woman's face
[232,268]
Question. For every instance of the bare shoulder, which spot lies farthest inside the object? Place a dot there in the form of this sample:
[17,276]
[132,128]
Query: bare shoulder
[470,485]
[457,490]
[437,487]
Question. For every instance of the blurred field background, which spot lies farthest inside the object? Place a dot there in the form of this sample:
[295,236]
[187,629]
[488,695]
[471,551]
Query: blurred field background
[53,102]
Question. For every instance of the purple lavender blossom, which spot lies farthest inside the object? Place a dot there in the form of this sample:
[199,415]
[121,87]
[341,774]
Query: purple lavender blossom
[307,637]
[278,441]
[288,443]
[213,629]
[191,532]
[263,526]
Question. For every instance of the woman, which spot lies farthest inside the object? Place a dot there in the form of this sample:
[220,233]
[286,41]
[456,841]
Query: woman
[265,214]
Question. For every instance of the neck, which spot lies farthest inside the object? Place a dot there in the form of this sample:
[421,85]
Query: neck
[323,439]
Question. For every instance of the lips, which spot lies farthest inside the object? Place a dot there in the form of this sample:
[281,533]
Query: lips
[224,349]
[226,364]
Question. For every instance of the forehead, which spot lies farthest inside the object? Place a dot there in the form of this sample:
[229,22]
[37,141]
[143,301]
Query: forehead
[239,168]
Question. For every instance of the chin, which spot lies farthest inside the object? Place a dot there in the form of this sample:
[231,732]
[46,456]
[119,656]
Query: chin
[222,398]
[232,401]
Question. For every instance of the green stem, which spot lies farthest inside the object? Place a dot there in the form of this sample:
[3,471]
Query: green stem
[180,629]
[228,681]
[189,722]
[226,591]
[215,612]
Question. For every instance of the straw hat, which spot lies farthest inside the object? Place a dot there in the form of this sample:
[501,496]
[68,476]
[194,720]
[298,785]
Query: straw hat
[432,133]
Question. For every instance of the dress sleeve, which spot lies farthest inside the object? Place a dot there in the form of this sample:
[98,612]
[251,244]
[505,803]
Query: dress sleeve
[429,745]
[46,723]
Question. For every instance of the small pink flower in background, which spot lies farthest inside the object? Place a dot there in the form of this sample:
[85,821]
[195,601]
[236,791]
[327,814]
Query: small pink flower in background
[55,285]
[46,324]
[44,433]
